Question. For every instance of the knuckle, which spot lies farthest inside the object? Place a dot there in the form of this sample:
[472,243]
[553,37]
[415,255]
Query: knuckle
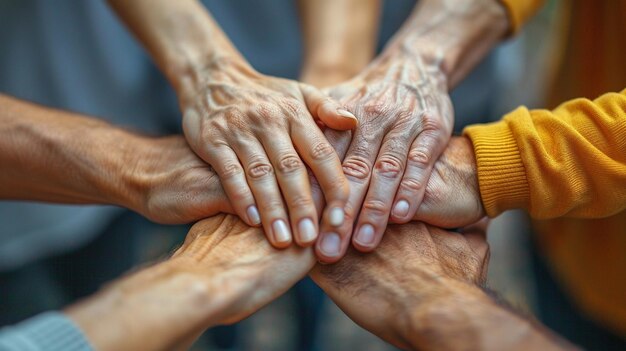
[271,206]
[327,102]
[231,169]
[259,168]
[375,207]
[411,185]
[214,128]
[293,107]
[233,113]
[389,166]
[356,167]
[300,201]
[265,110]
[431,122]
[322,151]
[289,163]
[420,157]
[376,108]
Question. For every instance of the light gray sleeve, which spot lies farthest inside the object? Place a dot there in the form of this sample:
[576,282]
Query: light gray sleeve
[50,331]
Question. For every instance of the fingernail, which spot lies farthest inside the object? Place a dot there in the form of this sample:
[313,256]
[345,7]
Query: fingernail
[281,231]
[365,235]
[401,209]
[307,231]
[345,113]
[336,216]
[253,215]
[330,244]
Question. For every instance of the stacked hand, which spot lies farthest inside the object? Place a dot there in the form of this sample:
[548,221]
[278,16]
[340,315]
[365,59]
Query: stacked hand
[224,272]
[405,120]
[260,133]
[415,268]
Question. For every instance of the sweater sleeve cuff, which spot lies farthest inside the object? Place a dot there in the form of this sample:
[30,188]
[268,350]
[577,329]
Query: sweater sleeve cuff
[501,173]
[47,331]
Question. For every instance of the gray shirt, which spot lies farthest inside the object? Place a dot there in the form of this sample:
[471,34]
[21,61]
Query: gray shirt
[50,331]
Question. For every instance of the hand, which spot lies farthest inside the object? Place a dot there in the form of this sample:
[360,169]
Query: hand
[452,197]
[174,185]
[224,272]
[405,120]
[416,266]
[254,130]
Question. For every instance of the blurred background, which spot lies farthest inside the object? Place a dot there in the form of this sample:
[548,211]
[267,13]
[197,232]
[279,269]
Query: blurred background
[76,55]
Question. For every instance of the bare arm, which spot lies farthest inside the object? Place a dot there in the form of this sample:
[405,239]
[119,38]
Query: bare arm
[57,156]
[224,272]
[420,290]
[340,38]
[449,35]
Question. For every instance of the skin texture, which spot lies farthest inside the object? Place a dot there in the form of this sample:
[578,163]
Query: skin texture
[420,291]
[224,271]
[405,119]
[56,156]
[259,133]
[405,116]
[452,196]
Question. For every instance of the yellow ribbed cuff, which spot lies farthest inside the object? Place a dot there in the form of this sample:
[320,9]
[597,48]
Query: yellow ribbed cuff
[520,11]
[501,173]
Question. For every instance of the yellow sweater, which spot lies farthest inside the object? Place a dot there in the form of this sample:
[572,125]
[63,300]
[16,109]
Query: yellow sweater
[569,164]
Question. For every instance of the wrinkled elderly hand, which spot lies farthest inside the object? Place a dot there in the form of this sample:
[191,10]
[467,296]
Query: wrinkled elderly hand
[452,197]
[224,272]
[256,131]
[245,271]
[405,120]
[416,266]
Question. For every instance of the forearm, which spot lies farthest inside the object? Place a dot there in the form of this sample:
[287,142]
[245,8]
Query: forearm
[339,38]
[158,308]
[468,318]
[450,36]
[223,272]
[56,156]
[181,36]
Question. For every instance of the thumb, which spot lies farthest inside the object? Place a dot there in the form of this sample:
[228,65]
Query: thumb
[326,109]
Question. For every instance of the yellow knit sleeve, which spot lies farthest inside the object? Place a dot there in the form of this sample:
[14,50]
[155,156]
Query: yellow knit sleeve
[520,11]
[567,162]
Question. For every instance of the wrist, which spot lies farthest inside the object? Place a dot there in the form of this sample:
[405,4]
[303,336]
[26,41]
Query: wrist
[467,318]
[135,176]
[195,77]
[452,37]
